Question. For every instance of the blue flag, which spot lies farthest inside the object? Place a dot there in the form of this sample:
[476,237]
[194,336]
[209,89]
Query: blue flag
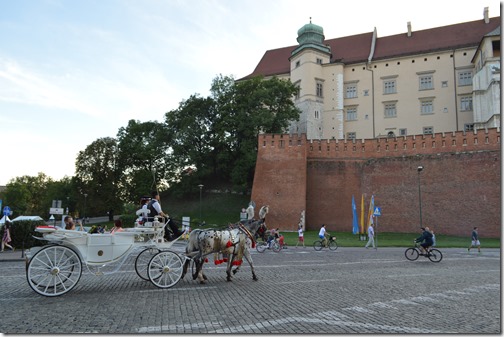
[355,219]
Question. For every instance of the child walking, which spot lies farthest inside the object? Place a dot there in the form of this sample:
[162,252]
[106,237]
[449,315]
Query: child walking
[300,236]
[6,239]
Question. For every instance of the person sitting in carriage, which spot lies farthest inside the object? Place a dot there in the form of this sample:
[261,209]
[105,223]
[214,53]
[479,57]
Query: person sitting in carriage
[172,231]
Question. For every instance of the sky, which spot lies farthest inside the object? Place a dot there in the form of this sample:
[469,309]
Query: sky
[74,71]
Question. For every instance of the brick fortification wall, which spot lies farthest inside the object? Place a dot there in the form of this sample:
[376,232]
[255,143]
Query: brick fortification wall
[460,184]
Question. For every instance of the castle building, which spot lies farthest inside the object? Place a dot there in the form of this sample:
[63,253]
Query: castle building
[373,111]
[363,86]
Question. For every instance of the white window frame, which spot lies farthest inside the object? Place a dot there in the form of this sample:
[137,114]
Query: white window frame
[428,130]
[351,90]
[319,89]
[351,135]
[465,78]
[389,87]
[351,113]
[426,82]
[390,110]
[466,103]
[427,107]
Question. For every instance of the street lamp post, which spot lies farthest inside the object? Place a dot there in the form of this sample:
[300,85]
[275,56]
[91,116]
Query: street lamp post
[84,213]
[200,191]
[420,169]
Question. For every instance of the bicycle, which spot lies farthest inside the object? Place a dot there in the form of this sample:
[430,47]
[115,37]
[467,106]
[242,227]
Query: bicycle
[330,243]
[433,254]
[274,245]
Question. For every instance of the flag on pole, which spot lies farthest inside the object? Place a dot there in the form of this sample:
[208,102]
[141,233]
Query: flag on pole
[362,215]
[370,213]
[355,219]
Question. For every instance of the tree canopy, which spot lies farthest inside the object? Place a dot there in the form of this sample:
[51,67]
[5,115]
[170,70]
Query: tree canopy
[208,140]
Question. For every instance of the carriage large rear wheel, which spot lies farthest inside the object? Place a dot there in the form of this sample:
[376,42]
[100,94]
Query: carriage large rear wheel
[54,270]
[142,262]
[165,269]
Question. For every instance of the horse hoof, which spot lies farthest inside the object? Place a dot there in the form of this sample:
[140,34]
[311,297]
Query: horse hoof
[228,279]
[204,277]
[255,278]
[202,282]
[235,271]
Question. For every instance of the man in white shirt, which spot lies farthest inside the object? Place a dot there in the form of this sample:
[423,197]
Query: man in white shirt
[370,233]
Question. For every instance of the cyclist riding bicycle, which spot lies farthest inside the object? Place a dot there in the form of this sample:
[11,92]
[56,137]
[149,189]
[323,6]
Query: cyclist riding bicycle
[323,235]
[425,239]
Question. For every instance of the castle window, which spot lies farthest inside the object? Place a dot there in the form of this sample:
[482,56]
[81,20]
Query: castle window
[319,90]
[319,61]
[465,78]
[426,107]
[298,63]
[390,110]
[351,114]
[428,130]
[466,103]
[469,127]
[351,135]
[403,132]
[298,91]
[351,91]
[317,114]
[389,87]
[444,84]
[426,82]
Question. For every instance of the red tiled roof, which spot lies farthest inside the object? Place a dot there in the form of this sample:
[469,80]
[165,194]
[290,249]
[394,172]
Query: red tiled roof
[356,48]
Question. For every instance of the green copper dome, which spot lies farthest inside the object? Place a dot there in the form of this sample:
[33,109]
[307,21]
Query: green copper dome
[310,33]
[311,36]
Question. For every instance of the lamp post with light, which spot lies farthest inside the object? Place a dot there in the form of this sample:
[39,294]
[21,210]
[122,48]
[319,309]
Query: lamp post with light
[84,213]
[200,191]
[420,169]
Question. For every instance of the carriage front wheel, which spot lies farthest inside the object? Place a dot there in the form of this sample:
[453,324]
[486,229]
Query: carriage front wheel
[142,262]
[54,270]
[165,269]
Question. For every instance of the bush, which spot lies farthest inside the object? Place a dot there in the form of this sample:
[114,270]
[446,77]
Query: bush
[22,232]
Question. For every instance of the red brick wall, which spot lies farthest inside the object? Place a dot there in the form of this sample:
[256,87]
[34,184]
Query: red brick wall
[460,183]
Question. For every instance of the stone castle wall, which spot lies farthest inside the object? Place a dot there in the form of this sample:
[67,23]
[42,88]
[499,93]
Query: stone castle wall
[460,184]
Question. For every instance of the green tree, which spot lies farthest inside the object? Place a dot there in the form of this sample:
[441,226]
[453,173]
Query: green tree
[27,195]
[246,109]
[96,180]
[145,160]
[194,139]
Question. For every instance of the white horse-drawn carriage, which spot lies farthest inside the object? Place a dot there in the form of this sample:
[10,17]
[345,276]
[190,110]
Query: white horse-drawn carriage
[55,269]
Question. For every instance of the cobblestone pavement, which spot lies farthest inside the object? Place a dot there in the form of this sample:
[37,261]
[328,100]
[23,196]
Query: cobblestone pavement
[352,290]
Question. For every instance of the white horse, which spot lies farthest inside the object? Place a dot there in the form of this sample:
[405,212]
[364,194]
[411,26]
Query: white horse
[233,243]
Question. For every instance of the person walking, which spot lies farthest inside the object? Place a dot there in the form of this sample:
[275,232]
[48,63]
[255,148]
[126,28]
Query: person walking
[300,236]
[474,240]
[6,239]
[370,233]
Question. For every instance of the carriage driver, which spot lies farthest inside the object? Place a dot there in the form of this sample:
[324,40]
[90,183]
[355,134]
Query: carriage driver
[155,209]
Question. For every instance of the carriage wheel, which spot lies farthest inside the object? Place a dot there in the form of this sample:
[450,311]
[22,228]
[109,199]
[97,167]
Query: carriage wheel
[54,270]
[142,262]
[165,269]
